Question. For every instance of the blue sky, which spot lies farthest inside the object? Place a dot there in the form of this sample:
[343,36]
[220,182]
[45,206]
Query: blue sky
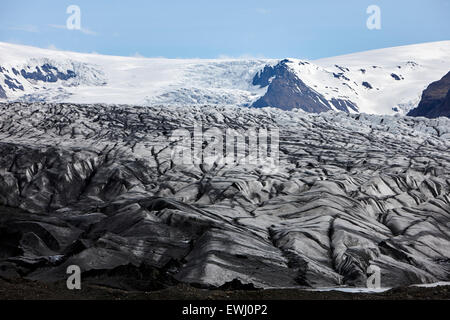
[210,28]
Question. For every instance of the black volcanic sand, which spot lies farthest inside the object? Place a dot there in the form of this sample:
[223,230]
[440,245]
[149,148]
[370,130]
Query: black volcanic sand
[20,289]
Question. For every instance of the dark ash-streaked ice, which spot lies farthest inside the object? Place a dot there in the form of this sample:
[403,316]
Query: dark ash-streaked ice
[95,186]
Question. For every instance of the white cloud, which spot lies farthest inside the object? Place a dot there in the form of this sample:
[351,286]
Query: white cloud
[57,26]
[137,55]
[88,31]
[245,56]
[262,11]
[25,28]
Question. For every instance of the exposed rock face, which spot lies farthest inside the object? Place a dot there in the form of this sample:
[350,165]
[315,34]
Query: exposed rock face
[2,93]
[435,100]
[47,73]
[96,186]
[287,91]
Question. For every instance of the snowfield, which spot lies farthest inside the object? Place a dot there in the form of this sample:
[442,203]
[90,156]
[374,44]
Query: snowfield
[385,81]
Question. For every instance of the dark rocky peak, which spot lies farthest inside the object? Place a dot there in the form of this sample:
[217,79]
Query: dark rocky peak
[435,100]
[287,91]
[264,77]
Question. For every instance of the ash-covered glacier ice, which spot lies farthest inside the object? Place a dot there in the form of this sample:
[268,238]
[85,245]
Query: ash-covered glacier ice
[96,186]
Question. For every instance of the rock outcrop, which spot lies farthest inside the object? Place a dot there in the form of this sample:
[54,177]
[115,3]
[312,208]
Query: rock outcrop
[435,100]
[285,90]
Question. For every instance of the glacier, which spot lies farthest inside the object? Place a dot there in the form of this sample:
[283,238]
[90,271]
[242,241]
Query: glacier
[94,185]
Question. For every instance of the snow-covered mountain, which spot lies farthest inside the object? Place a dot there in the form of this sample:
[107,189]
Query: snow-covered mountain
[384,81]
